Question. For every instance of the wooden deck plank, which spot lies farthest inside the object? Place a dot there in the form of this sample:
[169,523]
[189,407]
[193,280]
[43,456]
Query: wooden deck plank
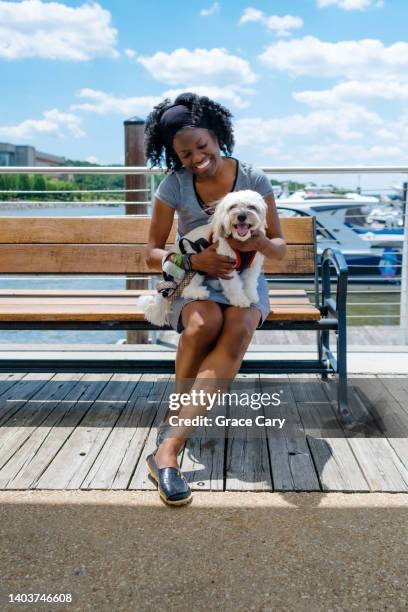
[390,415]
[336,465]
[81,416]
[381,466]
[8,379]
[20,427]
[15,396]
[398,388]
[33,457]
[247,459]
[141,478]
[73,462]
[290,456]
[203,458]
[116,462]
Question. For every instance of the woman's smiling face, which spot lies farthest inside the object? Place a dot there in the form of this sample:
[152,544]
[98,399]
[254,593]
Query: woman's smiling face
[198,150]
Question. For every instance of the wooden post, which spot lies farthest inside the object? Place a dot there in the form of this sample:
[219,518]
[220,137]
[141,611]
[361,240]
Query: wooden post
[134,156]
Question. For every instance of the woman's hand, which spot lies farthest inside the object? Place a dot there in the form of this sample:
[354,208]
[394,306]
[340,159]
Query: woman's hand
[213,264]
[257,242]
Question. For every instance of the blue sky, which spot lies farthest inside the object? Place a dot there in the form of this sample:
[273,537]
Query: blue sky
[308,81]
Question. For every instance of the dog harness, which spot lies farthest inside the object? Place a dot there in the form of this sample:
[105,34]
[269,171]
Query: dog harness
[245,259]
[171,289]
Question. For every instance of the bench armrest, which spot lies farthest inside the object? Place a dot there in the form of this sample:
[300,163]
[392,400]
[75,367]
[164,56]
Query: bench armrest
[336,258]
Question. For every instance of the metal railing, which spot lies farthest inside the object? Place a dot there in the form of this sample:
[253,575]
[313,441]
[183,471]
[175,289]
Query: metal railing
[15,198]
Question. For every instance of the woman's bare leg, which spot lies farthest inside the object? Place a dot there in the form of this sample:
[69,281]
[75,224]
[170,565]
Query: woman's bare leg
[220,365]
[202,322]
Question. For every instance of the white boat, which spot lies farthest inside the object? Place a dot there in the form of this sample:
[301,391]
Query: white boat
[372,250]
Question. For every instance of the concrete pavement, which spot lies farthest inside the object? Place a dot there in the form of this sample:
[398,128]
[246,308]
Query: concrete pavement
[121,550]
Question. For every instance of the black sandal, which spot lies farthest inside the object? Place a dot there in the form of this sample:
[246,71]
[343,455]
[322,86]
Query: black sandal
[173,487]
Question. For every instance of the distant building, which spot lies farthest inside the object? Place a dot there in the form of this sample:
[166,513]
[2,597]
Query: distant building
[24,155]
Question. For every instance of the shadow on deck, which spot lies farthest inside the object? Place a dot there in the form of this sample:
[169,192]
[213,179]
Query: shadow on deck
[93,431]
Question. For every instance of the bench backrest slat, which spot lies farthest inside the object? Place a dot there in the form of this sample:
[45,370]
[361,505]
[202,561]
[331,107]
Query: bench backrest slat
[115,245]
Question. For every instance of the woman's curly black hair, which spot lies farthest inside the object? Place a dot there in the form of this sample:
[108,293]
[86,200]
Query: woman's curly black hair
[219,119]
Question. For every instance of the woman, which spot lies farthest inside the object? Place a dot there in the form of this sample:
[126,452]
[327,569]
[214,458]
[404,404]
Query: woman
[191,135]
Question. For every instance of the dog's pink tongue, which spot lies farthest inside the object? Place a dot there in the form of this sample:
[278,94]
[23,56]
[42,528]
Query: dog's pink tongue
[242,228]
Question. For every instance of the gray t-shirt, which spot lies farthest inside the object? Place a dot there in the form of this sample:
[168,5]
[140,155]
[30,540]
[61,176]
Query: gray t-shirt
[177,191]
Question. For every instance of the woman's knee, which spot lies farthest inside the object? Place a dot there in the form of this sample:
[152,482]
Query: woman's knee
[237,340]
[238,332]
[202,323]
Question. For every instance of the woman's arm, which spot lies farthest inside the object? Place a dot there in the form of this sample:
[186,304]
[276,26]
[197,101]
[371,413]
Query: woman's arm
[160,227]
[272,245]
[275,245]
[208,260]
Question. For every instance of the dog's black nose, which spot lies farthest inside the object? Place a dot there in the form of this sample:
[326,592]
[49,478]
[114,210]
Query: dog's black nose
[241,217]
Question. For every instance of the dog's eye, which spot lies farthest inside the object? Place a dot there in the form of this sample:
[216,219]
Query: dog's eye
[251,207]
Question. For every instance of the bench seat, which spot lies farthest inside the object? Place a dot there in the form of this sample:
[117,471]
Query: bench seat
[44,305]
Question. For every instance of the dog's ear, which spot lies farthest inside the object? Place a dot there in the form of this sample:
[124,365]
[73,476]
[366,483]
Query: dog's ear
[217,221]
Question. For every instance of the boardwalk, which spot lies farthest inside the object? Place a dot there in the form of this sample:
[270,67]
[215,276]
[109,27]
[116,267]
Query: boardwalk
[93,431]
[373,335]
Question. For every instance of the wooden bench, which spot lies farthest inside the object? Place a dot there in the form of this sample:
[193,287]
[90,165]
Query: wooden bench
[115,246]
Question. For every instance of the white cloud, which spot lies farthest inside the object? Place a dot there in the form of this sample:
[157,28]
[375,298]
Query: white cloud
[348,135]
[130,53]
[52,30]
[348,5]
[355,59]
[330,154]
[229,94]
[198,67]
[214,8]
[251,14]
[280,25]
[53,122]
[345,123]
[103,103]
[92,159]
[68,120]
[391,90]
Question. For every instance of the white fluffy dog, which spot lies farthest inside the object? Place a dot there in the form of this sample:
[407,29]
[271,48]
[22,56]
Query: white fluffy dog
[237,215]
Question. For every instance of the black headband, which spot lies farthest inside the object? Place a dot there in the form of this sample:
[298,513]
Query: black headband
[178,117]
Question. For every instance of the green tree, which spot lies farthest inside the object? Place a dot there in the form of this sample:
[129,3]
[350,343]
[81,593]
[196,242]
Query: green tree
[39,183]
[24,184]
[3,187]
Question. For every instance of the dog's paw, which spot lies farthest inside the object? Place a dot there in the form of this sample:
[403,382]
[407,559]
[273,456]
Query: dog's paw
[240,300]
[252,296]
[196,293]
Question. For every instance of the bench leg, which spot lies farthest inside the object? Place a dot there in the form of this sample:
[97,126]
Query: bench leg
[344,414]
[324,344]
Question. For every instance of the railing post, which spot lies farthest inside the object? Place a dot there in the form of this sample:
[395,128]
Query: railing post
[134,156]
[404,273]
